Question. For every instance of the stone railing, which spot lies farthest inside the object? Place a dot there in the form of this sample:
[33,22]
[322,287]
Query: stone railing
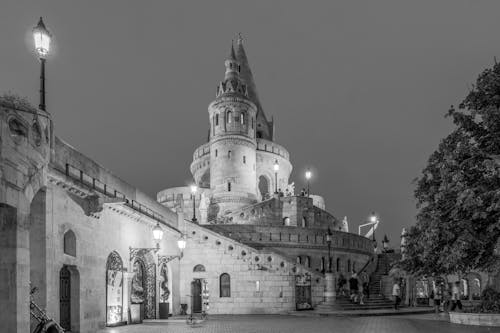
[273,148]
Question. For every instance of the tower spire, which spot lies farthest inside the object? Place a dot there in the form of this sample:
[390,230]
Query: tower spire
[232,54]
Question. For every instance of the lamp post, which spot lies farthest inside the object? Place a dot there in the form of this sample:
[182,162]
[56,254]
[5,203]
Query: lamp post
[181,244]
[194,188]
[308,177]
[42,39]
[276,169]
[329,242]
[374,220]
[157,237]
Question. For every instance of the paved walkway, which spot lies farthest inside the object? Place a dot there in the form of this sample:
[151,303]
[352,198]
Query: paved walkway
[426,323]
[362,313]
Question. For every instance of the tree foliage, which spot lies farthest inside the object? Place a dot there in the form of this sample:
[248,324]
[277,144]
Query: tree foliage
[458,192]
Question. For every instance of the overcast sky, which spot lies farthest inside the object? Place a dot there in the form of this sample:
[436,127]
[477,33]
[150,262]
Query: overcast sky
[358,89]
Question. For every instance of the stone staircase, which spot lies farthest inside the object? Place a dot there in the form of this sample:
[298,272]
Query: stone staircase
[343,303]
[383,267]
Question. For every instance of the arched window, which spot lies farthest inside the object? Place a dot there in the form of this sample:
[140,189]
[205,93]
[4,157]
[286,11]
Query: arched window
[338,264]
[217,119]
[229,186]
[225,285]
[286,221]
[242,118]
[216,152]
[308,261]
[322,264]
[304,221]
[349,265]
[229,115]
[228,154]
[299,260]
[70,243]
[199,268]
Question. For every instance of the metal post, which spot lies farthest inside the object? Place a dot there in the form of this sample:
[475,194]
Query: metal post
[194,208]
[41,106]
[329,257]
[308,188]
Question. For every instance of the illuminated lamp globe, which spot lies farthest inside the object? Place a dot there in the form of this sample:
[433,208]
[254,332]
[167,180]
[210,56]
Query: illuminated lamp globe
[42,39]
[157,233]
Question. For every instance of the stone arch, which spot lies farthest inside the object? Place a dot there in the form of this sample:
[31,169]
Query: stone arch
[224,285]
[69,298]
[114,290]
[144,268]
[264,186]
[69,243]
[199,268]
[286,221]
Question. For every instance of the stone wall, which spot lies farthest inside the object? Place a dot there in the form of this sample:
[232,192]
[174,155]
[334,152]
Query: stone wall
[262,281]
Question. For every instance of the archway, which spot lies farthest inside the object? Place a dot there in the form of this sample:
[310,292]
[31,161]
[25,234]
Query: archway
[196,295]
[143,289]
[65,298]
[264,187]
[114,290]
[165,290]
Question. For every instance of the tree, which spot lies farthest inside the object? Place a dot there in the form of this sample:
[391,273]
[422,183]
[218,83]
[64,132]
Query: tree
[458,193]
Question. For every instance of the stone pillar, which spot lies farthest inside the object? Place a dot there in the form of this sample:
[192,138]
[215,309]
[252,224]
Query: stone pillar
[14,267]
[330,294]
[127,282]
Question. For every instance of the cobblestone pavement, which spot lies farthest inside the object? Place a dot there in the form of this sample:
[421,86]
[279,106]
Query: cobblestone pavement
[288,324]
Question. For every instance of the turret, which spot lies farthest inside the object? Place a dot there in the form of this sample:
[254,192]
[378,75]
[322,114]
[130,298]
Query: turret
[232,143]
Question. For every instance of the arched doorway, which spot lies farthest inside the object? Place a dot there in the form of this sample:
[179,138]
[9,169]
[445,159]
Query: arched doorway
[143,288]
[114,290]
[264,187]
[65,298]
[196,295]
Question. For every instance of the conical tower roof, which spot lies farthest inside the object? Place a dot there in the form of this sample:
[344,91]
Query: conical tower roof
[247,77]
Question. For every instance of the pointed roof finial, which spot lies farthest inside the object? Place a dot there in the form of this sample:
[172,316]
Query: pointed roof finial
[240,38]
[232,55]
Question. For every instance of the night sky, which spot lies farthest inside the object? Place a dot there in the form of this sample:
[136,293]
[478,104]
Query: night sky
[358,89]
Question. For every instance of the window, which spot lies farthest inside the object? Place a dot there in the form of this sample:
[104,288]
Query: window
[338,264]
[257,285]
[228,116]
[286,221]
[217,119]
[242,119]
[349,265]
[229,154]
[308,261]
[244,159]
[225,285]
[17,129]
[304,222]
[259,135]
[322,264]
[252,123]
[70,243]
[216,152]
[37,134]
[299,260]
[229,186]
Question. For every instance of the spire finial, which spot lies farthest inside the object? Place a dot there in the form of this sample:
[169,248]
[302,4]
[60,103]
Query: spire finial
[240,38]
[232,55]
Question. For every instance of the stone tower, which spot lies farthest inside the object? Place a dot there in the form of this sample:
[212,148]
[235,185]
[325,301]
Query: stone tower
[232,141]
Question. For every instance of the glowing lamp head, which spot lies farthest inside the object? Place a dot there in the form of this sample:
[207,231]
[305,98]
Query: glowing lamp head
[194,188]
[308,174]
[157,233]
[276,166]
[42,39]
[181,243]
[373,218]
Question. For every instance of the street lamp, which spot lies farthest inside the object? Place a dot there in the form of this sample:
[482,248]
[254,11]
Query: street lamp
[308,177]
[181,244]
[42,39]
[194,188]
[329,242]
[157,237]
[276,169]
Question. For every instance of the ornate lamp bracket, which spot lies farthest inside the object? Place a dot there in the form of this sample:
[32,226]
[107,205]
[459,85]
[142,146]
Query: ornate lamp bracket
[166,259]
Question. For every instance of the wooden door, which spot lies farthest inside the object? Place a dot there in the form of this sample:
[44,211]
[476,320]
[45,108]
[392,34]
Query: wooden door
[196,295]
[65,298]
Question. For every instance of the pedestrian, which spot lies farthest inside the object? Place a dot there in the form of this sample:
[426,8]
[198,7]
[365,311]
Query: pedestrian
[438,296]
[361,294]
[396,292]
[353,288]
[455,297]
[366,290]
[303,192]
[446,298]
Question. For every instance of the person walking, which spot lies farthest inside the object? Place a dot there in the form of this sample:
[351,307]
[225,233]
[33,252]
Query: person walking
[366,290]
[396,294]
[455,297]
[438,296]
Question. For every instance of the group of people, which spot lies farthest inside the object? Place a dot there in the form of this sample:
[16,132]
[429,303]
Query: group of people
[444,298]
[358,288]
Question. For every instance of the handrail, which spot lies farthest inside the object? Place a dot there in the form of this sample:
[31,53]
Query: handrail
[101,187]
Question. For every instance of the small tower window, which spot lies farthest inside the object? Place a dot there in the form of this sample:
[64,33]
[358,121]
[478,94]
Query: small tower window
[252,123]
[244,159]
[216,152]
[217,119]
[229,186]
[229,154]
[242,119]
[229,115]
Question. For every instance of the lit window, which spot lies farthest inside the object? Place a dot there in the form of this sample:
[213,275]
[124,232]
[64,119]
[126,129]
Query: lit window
[229,115]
